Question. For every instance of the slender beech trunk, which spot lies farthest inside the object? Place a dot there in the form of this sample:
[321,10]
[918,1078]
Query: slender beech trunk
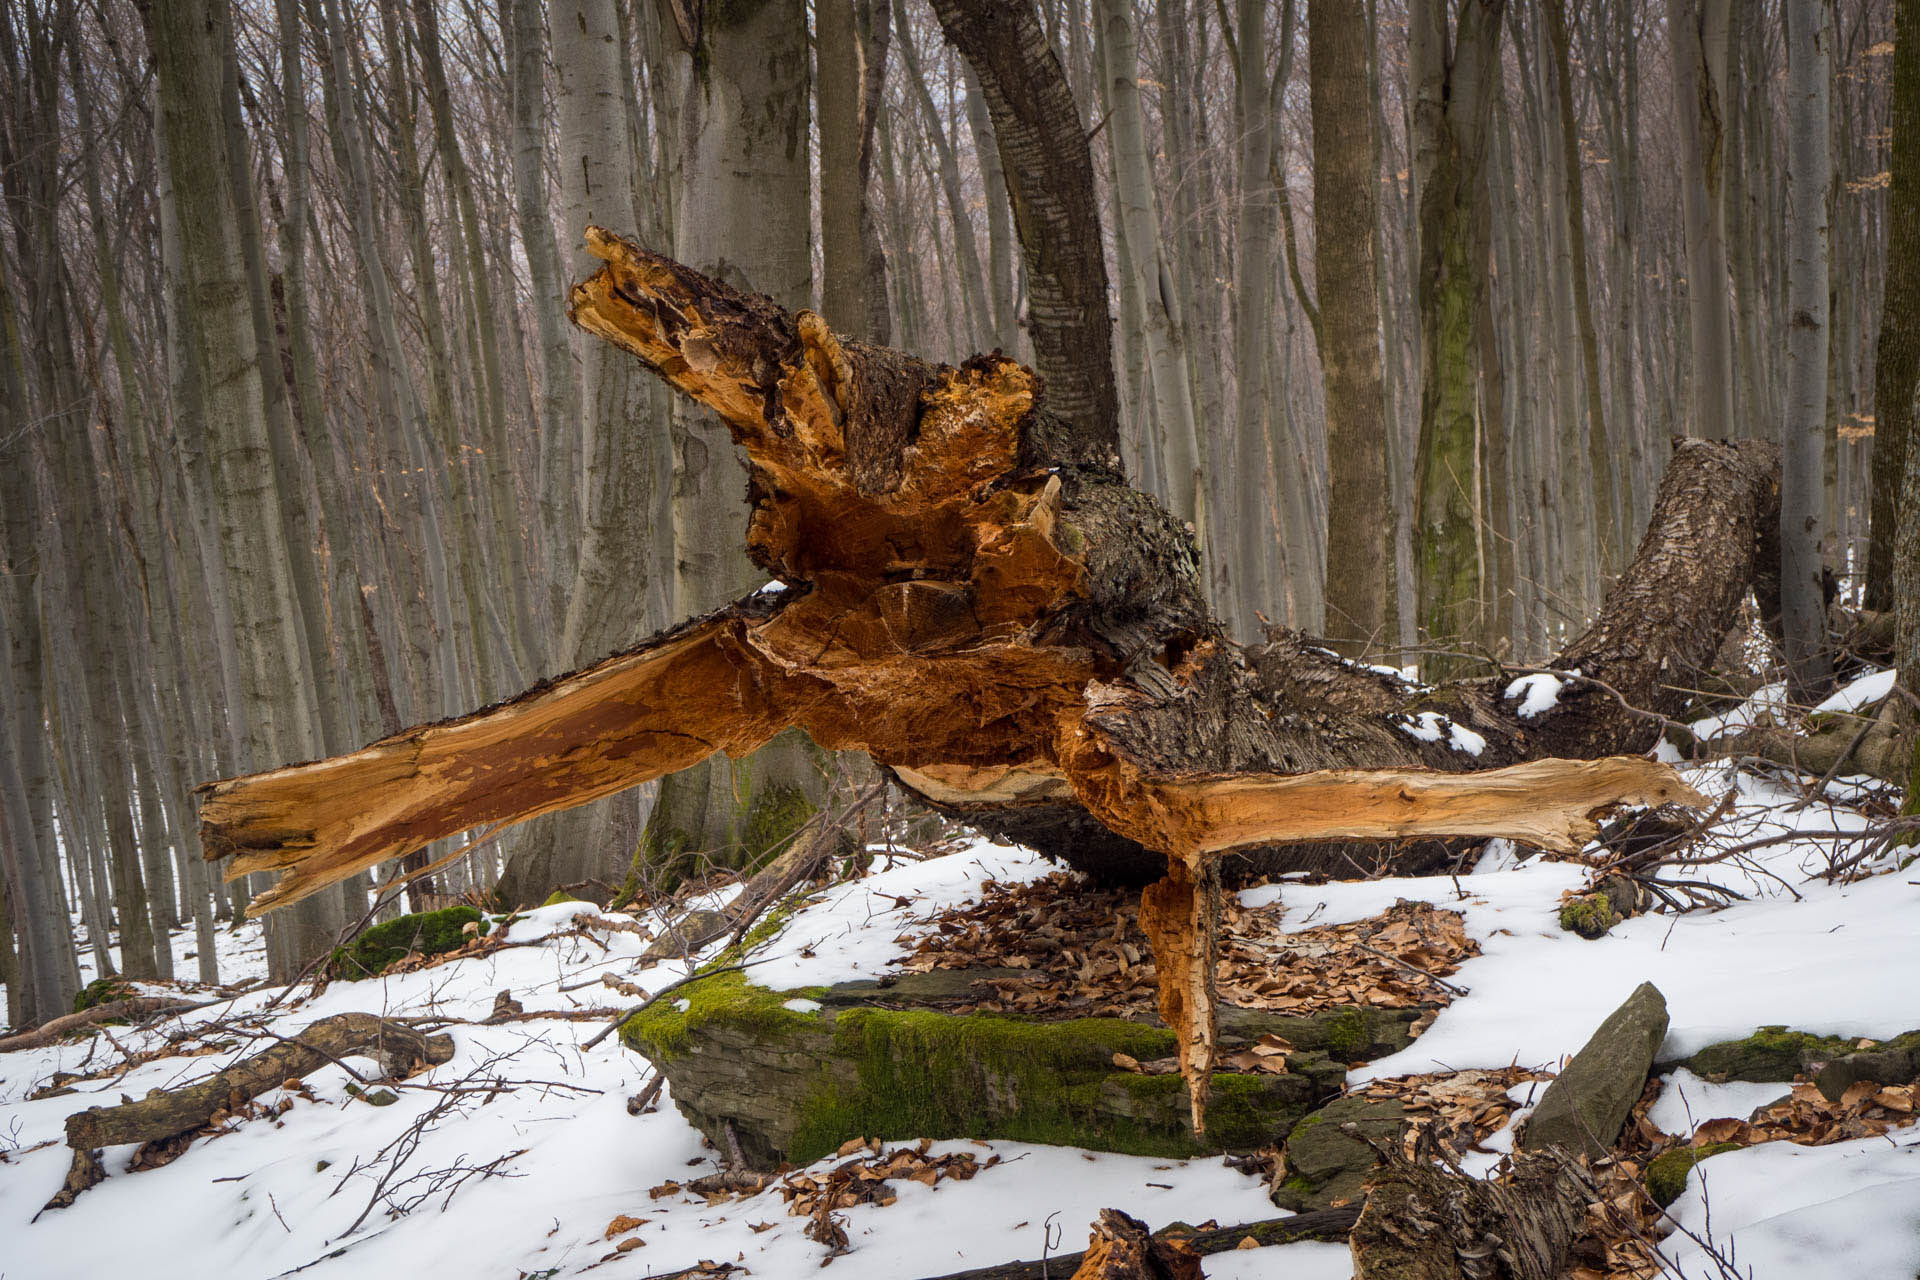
[1150,281]
[744,215]
[1453,74]
[1600,454]
[226,370]
[1346,217]
[1803,526]
[1897,350]
[1699,31]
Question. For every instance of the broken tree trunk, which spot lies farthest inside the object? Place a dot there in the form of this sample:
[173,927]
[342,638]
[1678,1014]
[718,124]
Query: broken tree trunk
[972,594]
[1426,1220]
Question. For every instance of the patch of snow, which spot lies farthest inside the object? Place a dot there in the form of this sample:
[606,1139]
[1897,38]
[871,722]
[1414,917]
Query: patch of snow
[1687,1101]
[1305,1260]
[1431,726]
[1537,694]
[1861,692]
[802,1005]
[1850,1211]
[1766,705]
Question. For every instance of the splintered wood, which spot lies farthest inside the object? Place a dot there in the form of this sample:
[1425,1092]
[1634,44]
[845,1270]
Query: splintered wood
[973,596]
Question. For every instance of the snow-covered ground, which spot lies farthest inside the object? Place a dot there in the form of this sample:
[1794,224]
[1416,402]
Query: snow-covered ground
[315,1188]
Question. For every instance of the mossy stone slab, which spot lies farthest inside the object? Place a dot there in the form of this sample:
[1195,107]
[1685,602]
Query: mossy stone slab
[791,1075]
[1325,1164]
[1587,1104]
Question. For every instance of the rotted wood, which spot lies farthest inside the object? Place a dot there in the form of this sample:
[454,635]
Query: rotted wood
[1424,1219]
[1123,1249]
[164,1114]
[973,595]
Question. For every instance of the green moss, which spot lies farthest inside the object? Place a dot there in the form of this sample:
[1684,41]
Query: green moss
[1769,1054]
[102,991]
[926,1074]
[1348,1034]
[893,1073]
[1667,1175]
[427,933]
[662,1030]
[559,896]
[773,814]
[1590,915]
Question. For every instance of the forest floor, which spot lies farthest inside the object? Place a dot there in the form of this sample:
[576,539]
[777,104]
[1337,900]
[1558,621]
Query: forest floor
[520,1158]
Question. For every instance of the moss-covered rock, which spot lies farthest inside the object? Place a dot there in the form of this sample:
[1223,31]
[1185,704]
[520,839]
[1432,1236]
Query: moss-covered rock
[426,933]
[1587,1104]
[1894,1061]
[1325,1164]
[1589,914]
[1768,1055]
[559,896]
[1667,1175]
[102,991]
[791,1075]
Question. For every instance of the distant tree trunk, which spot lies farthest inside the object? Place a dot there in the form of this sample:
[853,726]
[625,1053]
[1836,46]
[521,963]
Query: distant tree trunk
[1150,282]
[743,216]
[1803,464]
[1600,453]
[845,147]
[1346,216]
[1897,353]
[226,372]
[1453,76]
[1699,30]
[559,406]
[621,425]
[1257,539]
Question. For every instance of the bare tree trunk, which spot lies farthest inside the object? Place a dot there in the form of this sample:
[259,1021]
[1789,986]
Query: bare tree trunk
[1699,30]
[1600,454]
[1150,282]
[225,369]
[1897,351]
[1453,77]
[1256,536]
[742,216]
[559,393]
[1803,526]
[1346,218]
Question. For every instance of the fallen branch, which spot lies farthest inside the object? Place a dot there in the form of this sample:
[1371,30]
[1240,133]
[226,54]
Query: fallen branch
[165,1115]
[131,1007]
[1322,1224]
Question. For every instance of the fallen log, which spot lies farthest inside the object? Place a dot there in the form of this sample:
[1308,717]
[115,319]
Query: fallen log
[51,1031]
[1322,1224]
[162,1114]
[975,597]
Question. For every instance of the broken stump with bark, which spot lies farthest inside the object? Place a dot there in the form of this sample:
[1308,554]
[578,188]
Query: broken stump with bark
[972,594]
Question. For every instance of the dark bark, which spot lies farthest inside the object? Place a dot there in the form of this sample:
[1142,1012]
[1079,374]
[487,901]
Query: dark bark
[1427,1221]
[1897,357]
[1049,172]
